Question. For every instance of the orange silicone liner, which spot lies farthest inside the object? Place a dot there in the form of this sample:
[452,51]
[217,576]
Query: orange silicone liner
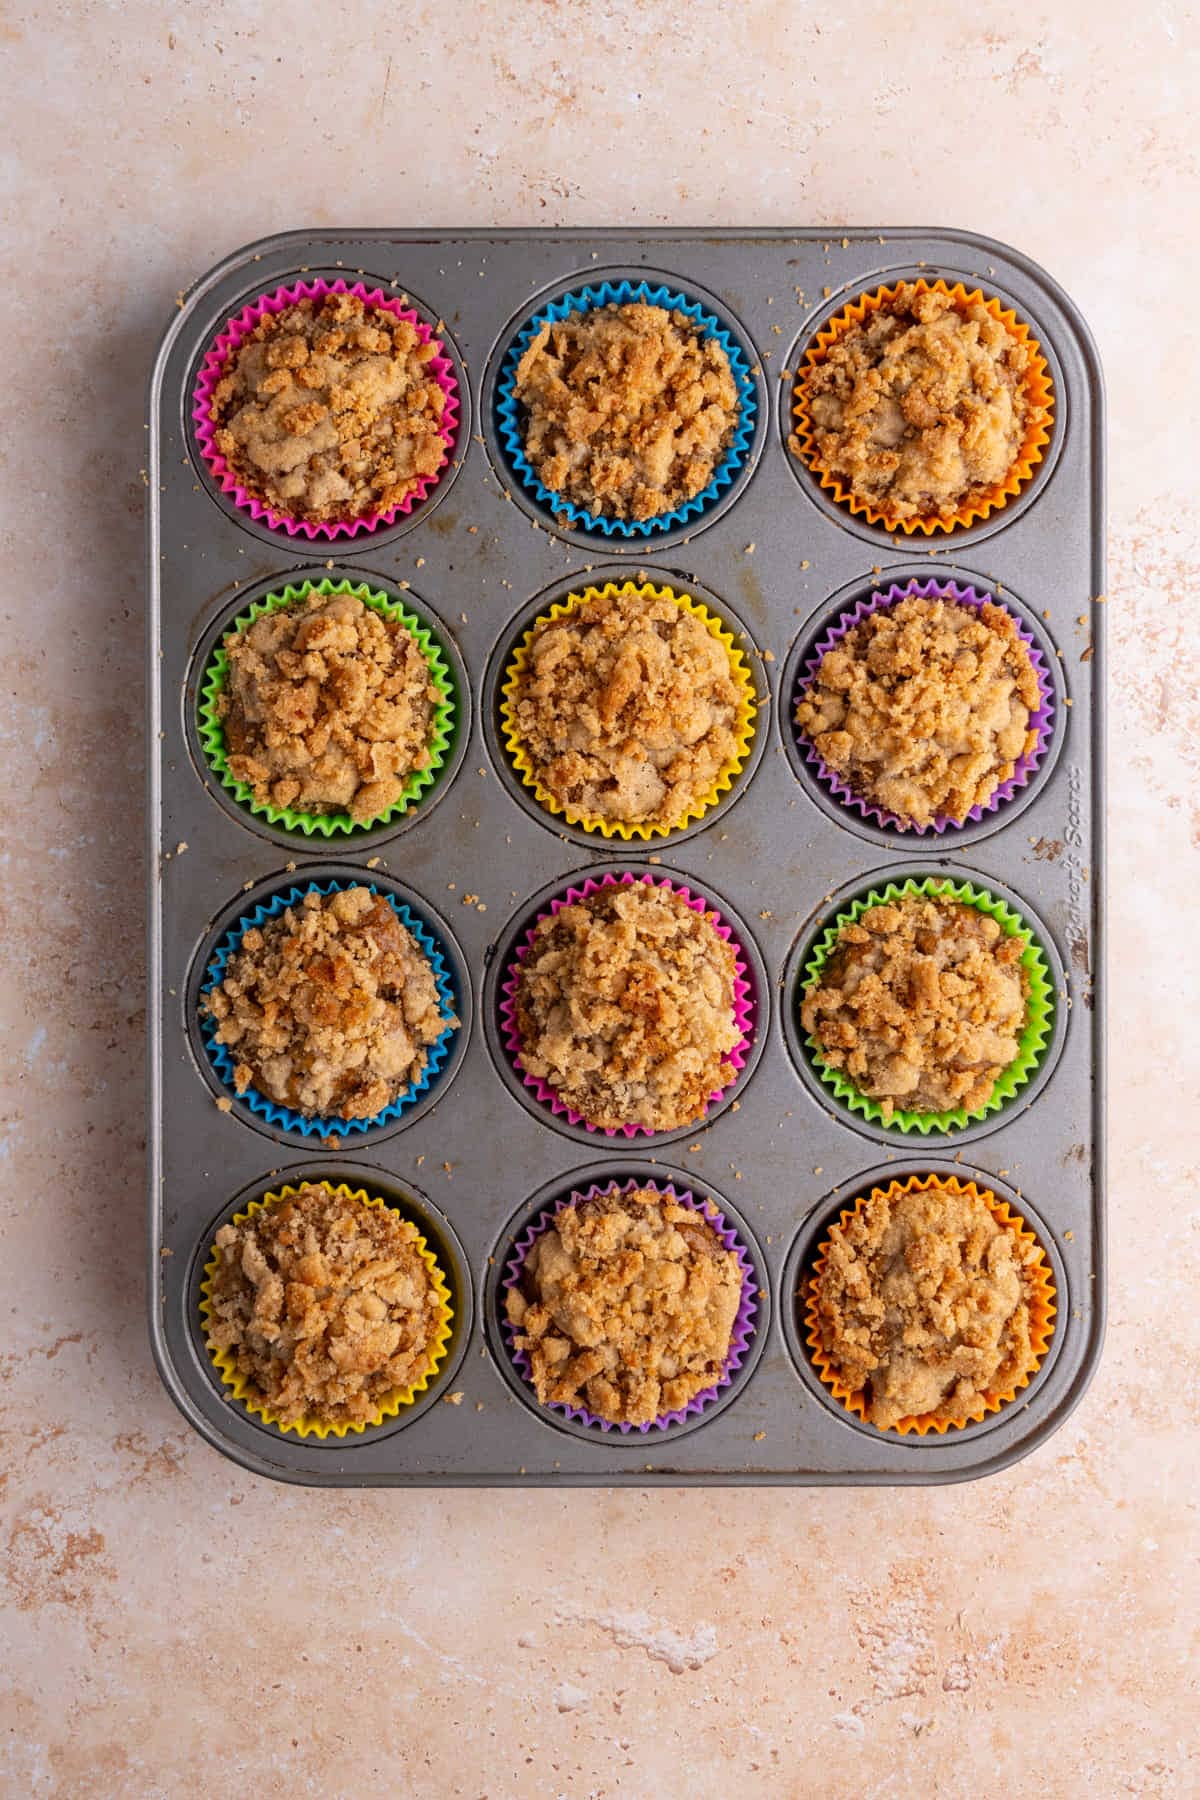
[1038,387]
[1042,1308]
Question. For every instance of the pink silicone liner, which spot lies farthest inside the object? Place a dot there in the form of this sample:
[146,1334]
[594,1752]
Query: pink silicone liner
[743,1324]
[743,1002]
[213,368]
[1041,720]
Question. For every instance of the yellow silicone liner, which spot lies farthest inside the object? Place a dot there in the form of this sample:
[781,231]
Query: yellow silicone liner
[1038,387]
[308,1426]
[621,828]
[1042,1307]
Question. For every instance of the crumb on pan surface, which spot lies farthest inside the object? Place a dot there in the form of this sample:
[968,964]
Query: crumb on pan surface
[921,1004]
[626,1306]
[924,707]
[625,1007]
[924,1304]
[629,408]
[628,708]
[328,410]
[325,1306]
[329,1008]
[922,407]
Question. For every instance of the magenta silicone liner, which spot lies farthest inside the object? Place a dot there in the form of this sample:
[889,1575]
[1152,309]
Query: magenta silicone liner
[237,329]
[743,1324]
[743,1002]
[1041,720]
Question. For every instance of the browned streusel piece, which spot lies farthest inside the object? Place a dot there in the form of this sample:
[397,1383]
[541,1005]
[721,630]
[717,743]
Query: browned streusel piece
[326,1306]
[924,1302]
[924,707]
[626,1306]
[629,408]
[329,1008]
[327,410]
[328,706]
[921,1005]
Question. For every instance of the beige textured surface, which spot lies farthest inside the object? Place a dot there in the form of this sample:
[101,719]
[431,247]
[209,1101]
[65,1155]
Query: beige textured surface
[1030,1635]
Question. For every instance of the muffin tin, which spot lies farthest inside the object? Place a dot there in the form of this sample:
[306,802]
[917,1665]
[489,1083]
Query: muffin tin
[479,1158]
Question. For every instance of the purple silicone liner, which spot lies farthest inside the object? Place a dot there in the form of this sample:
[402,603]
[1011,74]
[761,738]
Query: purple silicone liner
[743,1324]
[743,1004]
[213,368]
[1041,720]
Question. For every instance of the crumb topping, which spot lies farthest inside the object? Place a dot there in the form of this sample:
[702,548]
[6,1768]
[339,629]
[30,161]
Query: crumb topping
[625,1007]
[924,707]
[628,708]
[924,1305]
[626,1306]
[328,410]
[923,406]
[921,1005]
[629,408]
[325,1305]
[327,708]
[330,1007]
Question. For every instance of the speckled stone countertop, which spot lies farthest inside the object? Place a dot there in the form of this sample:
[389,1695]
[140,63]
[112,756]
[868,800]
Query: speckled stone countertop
[169,1626]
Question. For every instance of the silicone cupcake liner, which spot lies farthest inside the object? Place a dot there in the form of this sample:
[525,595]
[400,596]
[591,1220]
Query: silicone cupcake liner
[604,293]
[442,724]
[743,1004]
[1038,387]
[216,363]
[1042,1309]
[743,1325]
[393,1404]
[1041,721]
[1038,1019]
[281,1116]
[619,828]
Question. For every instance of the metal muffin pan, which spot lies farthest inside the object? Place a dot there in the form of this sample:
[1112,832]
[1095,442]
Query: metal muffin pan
[479,559]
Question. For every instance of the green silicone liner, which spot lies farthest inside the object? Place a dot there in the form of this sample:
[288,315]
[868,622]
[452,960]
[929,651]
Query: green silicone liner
[212,732]
[1032,1042]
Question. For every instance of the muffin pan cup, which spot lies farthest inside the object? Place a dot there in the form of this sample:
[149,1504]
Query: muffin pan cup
[478,1158]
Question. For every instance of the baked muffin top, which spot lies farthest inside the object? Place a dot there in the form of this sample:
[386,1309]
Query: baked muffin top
[629,408]
[628,708]
[924,707]
[626,1306]
[923,1305]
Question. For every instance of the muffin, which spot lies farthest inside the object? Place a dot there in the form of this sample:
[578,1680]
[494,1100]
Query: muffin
[924,708]
[924,406]
[327,707]
[625,1306]
[626,708]
[926,1305]
[322,1308]
[330,1007]
[629,408]
[625,1005]
[921,1004]
[329,411]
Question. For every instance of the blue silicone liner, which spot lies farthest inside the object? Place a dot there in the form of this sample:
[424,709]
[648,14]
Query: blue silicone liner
[580,300]
[282,1116]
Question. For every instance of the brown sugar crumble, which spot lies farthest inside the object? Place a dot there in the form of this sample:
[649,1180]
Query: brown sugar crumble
[921,408]
[924,707]
[629,408]
[325,1305]
[924,1305]
[328,410]
[626,1306]
[328,707]
[329,1008]
[921,1005]
[628,708]
[625,1007]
